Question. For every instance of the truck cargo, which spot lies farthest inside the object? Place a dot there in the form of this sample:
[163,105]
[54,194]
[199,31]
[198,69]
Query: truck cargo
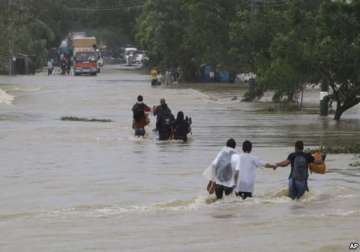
[83,42]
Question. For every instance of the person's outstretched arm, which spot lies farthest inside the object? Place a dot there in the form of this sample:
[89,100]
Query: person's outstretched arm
[283,163]
[267,165]
[261,163]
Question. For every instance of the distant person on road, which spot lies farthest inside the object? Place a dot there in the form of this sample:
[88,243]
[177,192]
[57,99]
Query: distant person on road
[246,172]
[140,117]
[154,77]
[223,169]
[65,65]
[174,75]
[181,127]
[299,172]
[50,66]
[159,78]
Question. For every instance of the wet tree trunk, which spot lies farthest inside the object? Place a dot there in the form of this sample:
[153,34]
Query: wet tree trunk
[345,94]
[341,108]
[338,113]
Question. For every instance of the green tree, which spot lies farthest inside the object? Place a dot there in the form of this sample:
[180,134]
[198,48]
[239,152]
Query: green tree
[208,29]
[291,53]
[161,32]
[338,52]
[112,21]
[23,32]
[318,43]
[186,33]
[251,34]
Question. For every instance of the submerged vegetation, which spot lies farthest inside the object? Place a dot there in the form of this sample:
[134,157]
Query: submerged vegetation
[82,119]
[288,108]
[338,149]
[352,148]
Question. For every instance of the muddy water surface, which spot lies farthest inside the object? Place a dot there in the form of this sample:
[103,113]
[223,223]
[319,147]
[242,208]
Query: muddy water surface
[80,186]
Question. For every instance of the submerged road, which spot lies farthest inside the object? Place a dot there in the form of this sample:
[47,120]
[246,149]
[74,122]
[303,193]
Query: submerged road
[92,186]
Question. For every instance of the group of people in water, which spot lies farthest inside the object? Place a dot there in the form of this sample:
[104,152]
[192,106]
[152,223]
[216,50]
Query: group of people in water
[169,77]
[235,172]
[65,64]
[230,171]
[167,125]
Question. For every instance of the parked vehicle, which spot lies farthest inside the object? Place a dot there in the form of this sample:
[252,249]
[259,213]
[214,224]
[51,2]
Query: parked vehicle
[140,57]
[130,55]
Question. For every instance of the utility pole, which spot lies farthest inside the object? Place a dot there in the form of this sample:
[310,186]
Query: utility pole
[9,35]
[11,28]
[253,6]
[324,98]
[252,81]
[252,9]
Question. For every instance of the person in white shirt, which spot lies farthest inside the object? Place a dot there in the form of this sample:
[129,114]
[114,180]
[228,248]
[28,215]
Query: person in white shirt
[223,169]
[246,171]
[50,67]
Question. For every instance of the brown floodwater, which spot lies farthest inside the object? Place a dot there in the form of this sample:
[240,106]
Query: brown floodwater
[87,186]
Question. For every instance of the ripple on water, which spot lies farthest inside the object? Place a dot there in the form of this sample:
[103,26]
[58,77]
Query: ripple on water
[6,98]
[107,211]
[331,248]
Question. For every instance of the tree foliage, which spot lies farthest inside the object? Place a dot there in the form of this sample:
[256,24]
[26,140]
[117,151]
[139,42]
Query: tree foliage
[161,30]
[288,44]
[23,32]
[289,67]
[186,33]
[337,50]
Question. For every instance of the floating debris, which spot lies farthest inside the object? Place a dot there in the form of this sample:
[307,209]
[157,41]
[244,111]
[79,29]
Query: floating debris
[82,119]
[353,148]
[355,164]
[341,149]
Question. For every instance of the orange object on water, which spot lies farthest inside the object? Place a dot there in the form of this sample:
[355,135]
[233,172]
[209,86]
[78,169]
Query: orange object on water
[317,168]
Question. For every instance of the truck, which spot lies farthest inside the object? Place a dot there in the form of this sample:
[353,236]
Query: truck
[130,55]
[85,56]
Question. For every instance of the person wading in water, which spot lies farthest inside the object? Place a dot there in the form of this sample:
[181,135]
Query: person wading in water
[299,173]
[181,127]
[164,120]
[222,170]
[140,118]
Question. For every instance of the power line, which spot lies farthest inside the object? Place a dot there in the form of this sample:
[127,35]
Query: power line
[141,3]
[104,9]
[117,7]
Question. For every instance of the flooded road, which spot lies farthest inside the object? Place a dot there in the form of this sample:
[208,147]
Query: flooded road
[81,186]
